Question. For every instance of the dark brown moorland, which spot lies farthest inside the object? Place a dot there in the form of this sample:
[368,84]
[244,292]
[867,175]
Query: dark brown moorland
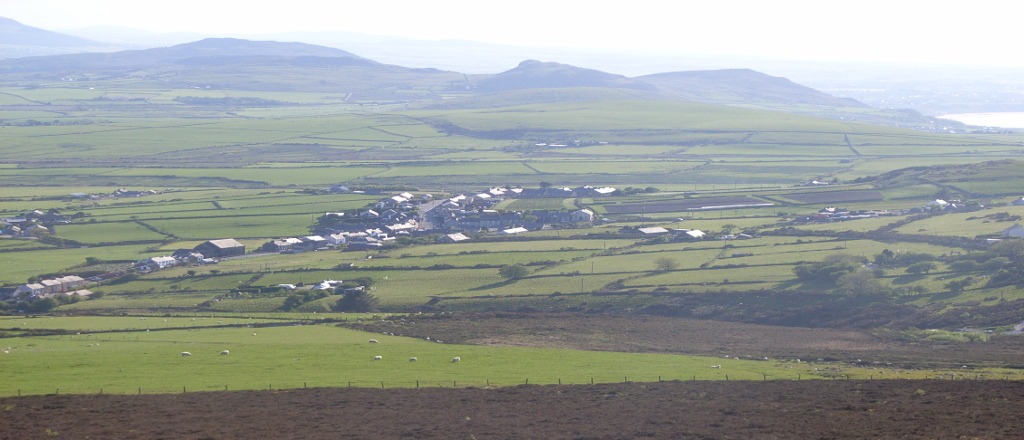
[810,409]
[701,337]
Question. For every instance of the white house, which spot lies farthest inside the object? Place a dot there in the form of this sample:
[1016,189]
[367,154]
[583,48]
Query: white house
[583,215]
[161,262]
[654,230]
[1014,231]
[695,234]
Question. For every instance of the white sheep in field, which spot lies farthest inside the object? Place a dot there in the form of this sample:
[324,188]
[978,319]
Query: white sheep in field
[716,366]
[185,353]
[374,341]
[377,358]
[412,359]
[225,353]
[456,359]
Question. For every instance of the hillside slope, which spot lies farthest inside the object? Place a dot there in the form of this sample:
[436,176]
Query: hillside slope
[740,86]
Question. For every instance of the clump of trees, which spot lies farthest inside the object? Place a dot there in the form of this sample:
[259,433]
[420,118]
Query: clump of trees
[357,301]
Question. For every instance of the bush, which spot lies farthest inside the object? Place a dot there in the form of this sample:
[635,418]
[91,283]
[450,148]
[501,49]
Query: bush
[514,271]
[357,301]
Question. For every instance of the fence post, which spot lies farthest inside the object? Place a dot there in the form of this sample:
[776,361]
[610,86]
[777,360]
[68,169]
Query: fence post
[453,384]
[183,389]
[591,380]
[140,391]
[417,384]
[527,380]
[304,385]
[559,380]
[382,384]
[726,377]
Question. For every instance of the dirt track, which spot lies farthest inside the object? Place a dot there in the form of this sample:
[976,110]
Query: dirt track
[834,409]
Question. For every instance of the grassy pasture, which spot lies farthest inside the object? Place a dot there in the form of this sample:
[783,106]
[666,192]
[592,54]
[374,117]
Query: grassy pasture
[964,224]
[94,233]
[321,355]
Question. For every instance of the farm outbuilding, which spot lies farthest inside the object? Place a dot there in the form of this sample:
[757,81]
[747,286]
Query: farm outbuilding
[221,248]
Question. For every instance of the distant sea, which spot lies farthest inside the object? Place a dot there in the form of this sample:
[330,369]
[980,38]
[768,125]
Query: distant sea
[995,119]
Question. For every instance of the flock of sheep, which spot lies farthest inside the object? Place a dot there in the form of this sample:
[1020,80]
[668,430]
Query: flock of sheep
[372,341]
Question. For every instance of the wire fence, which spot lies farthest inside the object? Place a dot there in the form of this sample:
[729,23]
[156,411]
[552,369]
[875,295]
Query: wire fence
[455,383]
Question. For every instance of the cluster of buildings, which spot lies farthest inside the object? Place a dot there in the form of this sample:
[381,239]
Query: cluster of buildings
[205,253]
[69,285]
[31,224]
[408,215]
[473,212]
[836,214]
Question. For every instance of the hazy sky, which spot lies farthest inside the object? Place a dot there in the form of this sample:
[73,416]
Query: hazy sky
[954,32]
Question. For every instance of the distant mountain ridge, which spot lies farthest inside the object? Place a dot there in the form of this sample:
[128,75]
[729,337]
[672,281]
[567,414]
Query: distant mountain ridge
[239,64]
[19,40]
[739,86]
[532,74]
[207,51]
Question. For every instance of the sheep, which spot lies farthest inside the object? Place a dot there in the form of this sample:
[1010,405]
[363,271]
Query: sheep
[456,359]
[185,353]
[225,353]
[412,359]
[377,358]
[254,333]
[716,366]
[374,341]
[5,352]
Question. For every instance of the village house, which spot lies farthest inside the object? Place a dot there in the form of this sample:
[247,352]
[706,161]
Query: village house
[453,238]
[156,263]
[1014,231]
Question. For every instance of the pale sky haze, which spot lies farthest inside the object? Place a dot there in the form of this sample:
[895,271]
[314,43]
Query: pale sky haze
[978,32]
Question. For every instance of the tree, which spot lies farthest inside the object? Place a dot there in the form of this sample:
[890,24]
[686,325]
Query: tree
[43,305]
[964,266]
[545,184]
[513,271]
[191,272]
[957,286]
[728,228]
[861,282]
[921,267]
[665,264]
[357,301]
[92,261]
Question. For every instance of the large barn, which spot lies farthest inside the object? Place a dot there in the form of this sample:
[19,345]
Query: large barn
[221,248]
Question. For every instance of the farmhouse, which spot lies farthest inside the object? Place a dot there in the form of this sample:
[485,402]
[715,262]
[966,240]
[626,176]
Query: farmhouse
[156,263]
[1014,231]
[220,248]
[654,230]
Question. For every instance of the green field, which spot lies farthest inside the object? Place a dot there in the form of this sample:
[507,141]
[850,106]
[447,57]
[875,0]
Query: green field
[318,356]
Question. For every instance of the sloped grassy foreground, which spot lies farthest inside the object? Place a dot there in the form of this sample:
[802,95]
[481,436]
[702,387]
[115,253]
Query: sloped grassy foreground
[835,409]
